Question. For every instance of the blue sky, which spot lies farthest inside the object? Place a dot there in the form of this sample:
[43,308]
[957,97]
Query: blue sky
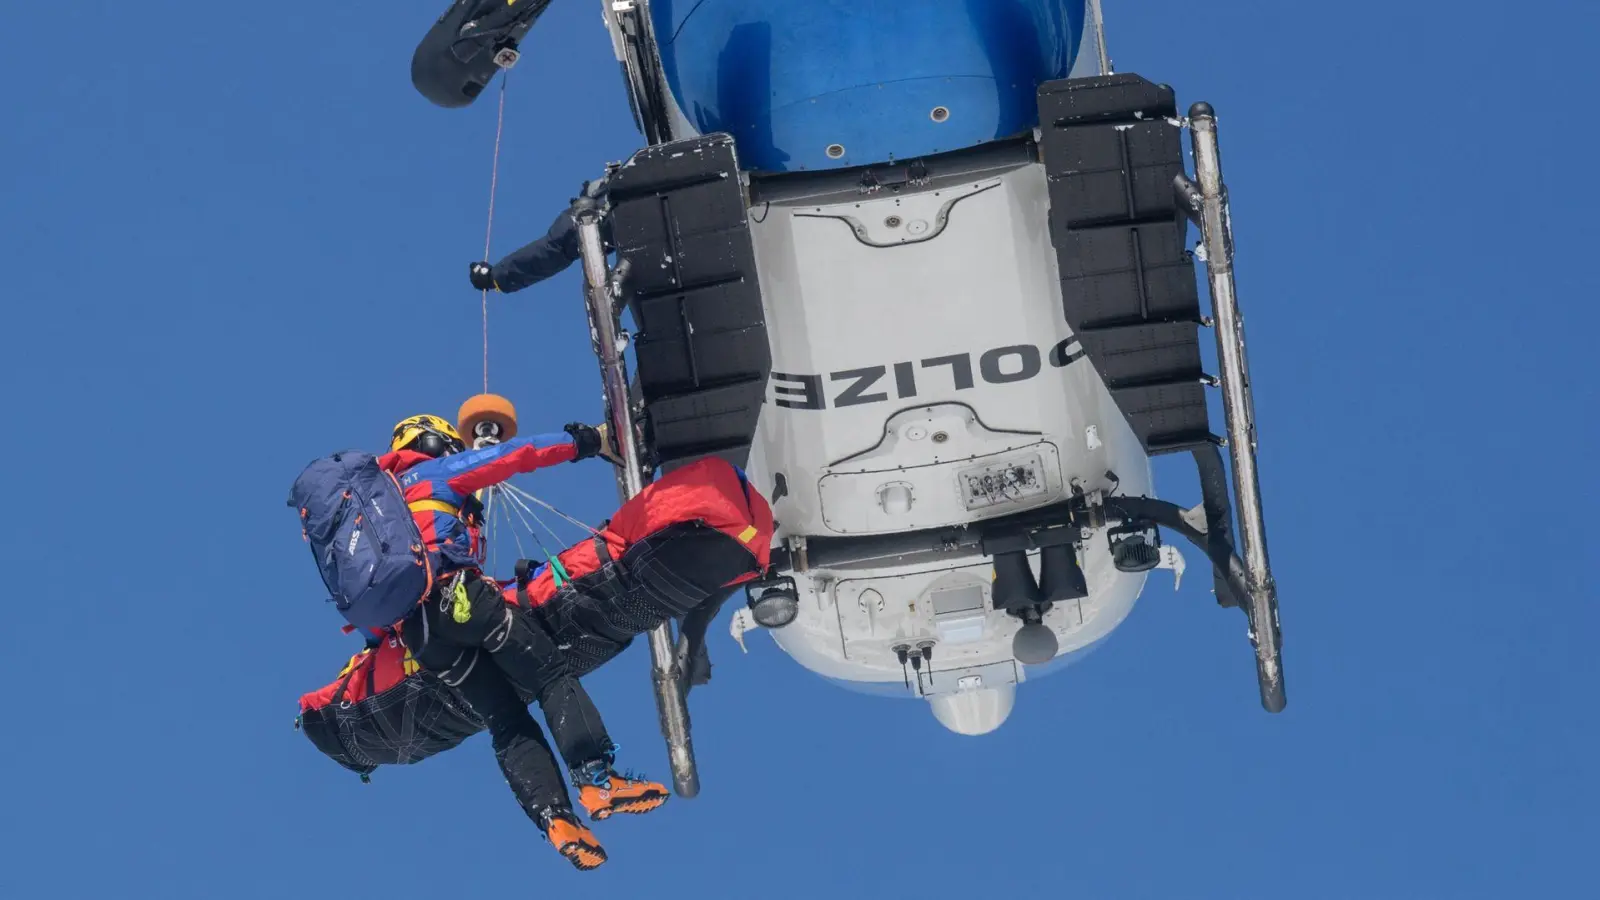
[213,214]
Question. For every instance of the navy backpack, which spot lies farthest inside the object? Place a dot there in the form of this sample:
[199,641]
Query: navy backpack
[366,544]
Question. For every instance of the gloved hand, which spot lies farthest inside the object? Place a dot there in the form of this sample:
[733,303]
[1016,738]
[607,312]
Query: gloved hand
[594,441]
[482,276]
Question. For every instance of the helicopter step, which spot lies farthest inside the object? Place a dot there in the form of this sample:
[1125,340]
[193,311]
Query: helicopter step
[678,220]
[1111,150]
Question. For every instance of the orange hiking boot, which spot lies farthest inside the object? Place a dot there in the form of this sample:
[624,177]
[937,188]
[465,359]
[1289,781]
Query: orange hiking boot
[603,792]
[572,840]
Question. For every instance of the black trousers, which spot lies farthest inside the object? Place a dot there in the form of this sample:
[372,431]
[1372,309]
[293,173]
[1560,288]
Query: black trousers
[679,572]
[499,660]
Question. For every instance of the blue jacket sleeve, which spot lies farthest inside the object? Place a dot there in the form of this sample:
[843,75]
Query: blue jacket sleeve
[478,469]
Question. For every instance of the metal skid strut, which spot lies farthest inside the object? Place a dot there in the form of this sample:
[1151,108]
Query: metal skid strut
[647,94]
[610,342]
[1206,204]
[1113,155]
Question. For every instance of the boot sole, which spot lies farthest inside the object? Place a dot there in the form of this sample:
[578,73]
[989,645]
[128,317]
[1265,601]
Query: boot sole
[583,857]
[636,806]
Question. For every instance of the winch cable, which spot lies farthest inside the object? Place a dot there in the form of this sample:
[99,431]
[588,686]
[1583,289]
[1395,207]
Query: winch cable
[488,230]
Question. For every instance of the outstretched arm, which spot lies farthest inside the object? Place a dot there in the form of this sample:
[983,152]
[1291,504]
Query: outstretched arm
[478,469]
[544,258]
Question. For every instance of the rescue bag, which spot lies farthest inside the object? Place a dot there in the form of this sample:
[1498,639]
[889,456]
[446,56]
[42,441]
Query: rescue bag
[384,709]
[366,545]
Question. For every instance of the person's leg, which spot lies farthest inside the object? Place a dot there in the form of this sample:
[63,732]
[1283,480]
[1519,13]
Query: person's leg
[519,745]
[677,573]
[528,652]
[527,763]
[667,575]
[528,657]
[692,653]
[579,604]
[689,536]
[674,571]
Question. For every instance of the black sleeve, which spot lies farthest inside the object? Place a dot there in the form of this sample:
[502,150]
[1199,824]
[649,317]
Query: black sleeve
[696,659]
[545,257]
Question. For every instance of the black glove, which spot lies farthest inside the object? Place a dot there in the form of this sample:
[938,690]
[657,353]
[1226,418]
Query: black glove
[482,276]
[594,441]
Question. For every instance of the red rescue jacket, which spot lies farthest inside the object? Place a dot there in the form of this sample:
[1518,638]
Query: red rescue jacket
[711,491]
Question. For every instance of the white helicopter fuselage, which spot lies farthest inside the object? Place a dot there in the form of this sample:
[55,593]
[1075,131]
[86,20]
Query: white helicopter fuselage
[923,373]
[924,376]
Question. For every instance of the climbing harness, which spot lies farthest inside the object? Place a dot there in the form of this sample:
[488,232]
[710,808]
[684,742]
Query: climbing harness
[455,596]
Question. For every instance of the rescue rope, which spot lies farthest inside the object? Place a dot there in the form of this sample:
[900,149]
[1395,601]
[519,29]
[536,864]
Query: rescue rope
[521,553]
[488,230]
[557,571]
[524,510]
[503,505]
[522,494]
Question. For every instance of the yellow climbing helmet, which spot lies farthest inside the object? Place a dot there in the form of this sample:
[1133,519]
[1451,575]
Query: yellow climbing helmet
[430,435]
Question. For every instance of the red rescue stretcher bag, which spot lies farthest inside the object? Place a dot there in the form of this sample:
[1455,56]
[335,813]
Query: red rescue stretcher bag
[384,709]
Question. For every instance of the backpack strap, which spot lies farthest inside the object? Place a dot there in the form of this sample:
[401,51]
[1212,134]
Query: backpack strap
[349,672]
